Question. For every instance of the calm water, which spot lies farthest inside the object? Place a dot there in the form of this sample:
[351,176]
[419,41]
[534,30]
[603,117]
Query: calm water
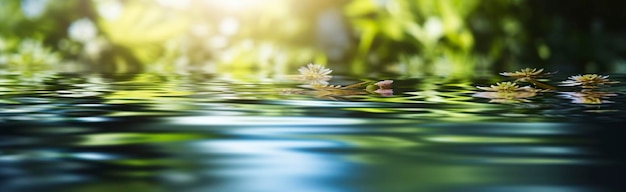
[150,132]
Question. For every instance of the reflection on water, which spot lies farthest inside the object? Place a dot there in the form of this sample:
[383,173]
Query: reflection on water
[148,132]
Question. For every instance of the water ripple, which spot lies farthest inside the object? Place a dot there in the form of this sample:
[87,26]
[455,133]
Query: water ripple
[198,133]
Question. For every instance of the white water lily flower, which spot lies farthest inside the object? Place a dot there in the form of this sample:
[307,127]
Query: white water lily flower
[587,81]
[526,72]
[315,74]
[506,87]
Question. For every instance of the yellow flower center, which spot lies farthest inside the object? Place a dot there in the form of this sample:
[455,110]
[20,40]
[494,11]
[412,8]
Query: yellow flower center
[505,87]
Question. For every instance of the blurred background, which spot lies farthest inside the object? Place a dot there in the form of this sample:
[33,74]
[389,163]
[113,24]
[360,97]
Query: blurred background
[263,38]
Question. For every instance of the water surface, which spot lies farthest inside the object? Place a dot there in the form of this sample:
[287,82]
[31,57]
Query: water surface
[153,132]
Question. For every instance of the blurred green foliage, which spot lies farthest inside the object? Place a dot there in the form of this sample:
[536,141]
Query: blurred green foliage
[243,38]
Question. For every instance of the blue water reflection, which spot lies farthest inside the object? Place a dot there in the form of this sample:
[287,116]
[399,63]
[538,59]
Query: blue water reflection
[271,165]
[187,134]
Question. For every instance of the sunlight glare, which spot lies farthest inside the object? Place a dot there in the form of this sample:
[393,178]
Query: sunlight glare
[109,9]
[229,26]
[235,4]
[179,4]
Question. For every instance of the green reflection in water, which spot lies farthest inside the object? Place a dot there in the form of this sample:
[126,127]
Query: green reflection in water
[135,138]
